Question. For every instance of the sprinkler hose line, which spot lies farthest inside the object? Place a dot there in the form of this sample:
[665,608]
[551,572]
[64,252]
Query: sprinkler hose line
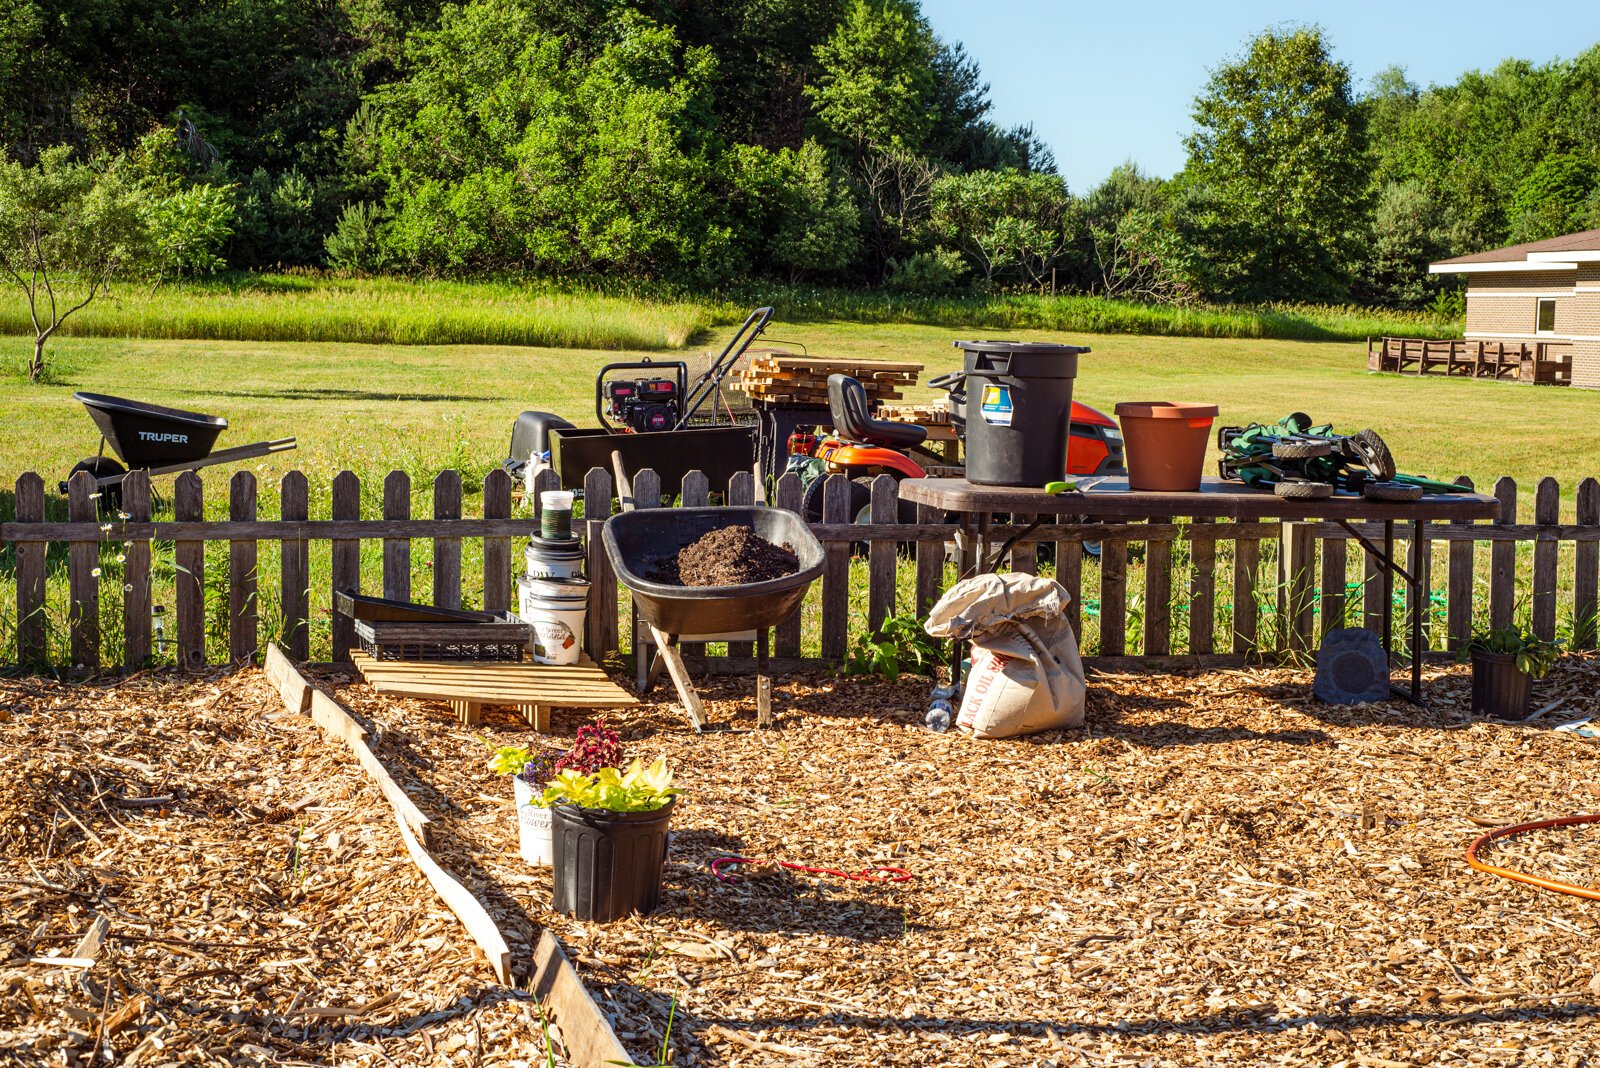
[1523,877]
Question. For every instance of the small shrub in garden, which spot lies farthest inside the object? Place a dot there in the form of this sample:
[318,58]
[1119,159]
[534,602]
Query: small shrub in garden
[597,746]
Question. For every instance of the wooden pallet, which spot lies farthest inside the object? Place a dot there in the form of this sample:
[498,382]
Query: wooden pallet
[922,414]
[467,685]
[804,379]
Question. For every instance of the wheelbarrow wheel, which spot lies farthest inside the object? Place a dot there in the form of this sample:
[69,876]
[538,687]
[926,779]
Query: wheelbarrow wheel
[1303,491]
[1301,450]
[1390,491]
[101,467]
[1370,449]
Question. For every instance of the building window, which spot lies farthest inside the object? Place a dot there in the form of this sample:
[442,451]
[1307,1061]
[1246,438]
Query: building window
[1545,321]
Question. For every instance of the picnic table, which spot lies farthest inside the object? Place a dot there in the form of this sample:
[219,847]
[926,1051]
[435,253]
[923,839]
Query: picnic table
[1112,498]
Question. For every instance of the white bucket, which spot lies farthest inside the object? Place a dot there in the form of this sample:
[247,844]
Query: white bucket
[533,824]
[542,562]
[555,611]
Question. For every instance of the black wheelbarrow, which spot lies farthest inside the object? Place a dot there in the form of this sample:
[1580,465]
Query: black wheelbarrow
[157,440]
[638,542]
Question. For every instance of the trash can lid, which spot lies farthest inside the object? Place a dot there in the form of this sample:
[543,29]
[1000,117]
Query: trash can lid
[1041,348]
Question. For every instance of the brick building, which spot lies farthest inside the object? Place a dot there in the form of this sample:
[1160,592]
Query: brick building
[1539,291]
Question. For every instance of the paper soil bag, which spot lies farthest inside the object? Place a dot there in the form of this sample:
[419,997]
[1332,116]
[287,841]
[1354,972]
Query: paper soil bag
[1026,675]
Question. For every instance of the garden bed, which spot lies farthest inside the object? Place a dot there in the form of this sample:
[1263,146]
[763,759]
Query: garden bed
[1214,870]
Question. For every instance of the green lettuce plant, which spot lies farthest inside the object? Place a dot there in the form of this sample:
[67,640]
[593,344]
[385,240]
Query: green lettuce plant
[638,789]
[1534,654]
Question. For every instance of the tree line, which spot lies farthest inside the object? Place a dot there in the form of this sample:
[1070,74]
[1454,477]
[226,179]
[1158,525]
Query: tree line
[837,142]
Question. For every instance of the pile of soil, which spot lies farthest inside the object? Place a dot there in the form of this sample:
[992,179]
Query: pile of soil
[729,556]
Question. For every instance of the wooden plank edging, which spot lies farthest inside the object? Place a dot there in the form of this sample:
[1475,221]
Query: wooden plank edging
[586,1034]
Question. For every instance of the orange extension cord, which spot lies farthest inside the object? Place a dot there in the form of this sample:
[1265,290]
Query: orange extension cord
[1523,877]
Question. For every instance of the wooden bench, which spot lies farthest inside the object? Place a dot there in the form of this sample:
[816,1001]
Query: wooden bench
[467,685]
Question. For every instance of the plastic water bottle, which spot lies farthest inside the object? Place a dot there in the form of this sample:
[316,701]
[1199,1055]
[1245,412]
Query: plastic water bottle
[939,717]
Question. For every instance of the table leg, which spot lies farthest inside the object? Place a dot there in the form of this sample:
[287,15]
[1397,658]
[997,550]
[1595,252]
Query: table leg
[1419,598]
[1413,580]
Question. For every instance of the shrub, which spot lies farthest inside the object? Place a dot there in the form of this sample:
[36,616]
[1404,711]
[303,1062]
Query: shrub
[928,274]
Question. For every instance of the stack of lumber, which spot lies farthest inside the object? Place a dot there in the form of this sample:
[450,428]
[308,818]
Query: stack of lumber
[936,414]
[777,378]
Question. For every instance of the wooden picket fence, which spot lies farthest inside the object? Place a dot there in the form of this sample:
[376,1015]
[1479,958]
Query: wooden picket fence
[1180,569]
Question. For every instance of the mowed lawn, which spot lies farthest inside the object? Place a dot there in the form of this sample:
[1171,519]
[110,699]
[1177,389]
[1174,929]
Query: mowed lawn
[370,408]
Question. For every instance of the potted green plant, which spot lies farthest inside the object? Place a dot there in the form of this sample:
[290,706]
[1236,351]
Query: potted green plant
[610,834]
[529,771]
[1505,661]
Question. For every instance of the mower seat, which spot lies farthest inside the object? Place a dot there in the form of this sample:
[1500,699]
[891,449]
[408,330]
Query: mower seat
[852,419]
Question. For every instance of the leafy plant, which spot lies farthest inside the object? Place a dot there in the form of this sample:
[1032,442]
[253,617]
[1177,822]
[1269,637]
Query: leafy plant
[900,645]
[535,768]
[1534,654]
[597,746]
[638,789]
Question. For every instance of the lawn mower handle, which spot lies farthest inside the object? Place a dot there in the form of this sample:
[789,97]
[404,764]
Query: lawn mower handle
[707,383]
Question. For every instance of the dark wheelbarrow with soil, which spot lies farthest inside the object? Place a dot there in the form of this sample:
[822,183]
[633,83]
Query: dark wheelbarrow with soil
[654,551]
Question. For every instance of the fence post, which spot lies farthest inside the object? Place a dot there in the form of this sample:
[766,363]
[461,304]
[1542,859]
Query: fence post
[1546,514]
[786,495]
[1585,558]
[242,607]
[1069,573]
[447,551]
[882,553]
[1202,585]
[1113,598]
[136,573]
[346,560]
[601,625]
[31,631]
[694,492]
[294,566]
[397,551]
[1158,594]
[1420,598]
[83,586]
[497,550]
[1246,561]
[188,506]
[836,571]
[1335,569]
[742,494]
[1503,559]
[1299,555]
[930,563]
[1458,618]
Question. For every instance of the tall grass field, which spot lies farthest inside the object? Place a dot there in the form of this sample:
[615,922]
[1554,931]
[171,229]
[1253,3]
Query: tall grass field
[307,307]
[374,311]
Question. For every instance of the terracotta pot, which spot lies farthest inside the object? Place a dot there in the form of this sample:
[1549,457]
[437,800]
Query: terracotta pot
[1165,443]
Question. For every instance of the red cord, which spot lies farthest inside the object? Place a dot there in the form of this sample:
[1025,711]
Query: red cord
[1523,877]
[865,875]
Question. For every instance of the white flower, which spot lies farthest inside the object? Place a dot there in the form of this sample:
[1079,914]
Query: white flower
[105,528]
[95,573]
[122,515]
[122,558]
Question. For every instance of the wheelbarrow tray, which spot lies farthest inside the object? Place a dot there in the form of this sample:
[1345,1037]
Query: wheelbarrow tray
[718,451]
[152,435]
[640,541]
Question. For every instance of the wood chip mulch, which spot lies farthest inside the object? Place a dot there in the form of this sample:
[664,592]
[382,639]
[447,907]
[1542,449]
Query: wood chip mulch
[1214,870]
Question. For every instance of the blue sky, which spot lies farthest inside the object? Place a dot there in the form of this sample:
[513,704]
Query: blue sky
[1108,80]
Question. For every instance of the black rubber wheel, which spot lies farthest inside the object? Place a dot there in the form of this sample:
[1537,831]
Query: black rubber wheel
[1299,420]
[860,497]
[1370,449]
[1301,450]
[1303,491]
[103,467]
[1391,491]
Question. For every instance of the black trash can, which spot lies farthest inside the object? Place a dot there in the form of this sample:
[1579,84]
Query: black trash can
[1018,410]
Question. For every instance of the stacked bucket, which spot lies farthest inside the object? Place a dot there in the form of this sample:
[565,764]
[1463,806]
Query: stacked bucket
[554,595]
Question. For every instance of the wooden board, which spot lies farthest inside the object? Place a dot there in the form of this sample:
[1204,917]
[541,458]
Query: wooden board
[465,685]
[586,1035]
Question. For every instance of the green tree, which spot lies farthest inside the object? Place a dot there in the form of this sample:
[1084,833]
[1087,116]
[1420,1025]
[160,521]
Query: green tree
[878,88]
[1554,198]
[67,231]
[1005,221]
[1278,150]
[1406,235]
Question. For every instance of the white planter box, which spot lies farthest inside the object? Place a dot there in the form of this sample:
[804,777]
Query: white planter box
[533,825]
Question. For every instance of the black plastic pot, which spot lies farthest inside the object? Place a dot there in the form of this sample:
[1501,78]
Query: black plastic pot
[1499,688]
[608,865]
